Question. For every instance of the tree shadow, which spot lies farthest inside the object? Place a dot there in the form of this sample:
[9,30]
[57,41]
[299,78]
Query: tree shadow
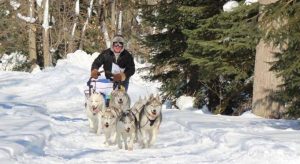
[82,153]
[63,118]
[31,147]
[278,124]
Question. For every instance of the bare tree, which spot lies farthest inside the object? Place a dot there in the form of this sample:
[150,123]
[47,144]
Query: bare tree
[89,13]
[103,27]
[71,45]
[32,34]
[265,81]
[46,49]
[119,31]
[113,16]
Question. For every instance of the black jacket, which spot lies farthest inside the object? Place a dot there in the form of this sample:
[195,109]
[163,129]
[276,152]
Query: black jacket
[107,57]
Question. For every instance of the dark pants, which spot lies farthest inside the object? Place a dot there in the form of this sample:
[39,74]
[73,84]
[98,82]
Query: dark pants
[125,84]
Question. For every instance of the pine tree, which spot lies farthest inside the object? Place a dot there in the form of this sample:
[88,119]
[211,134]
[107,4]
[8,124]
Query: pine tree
[285,35]
[223,49]
[213,57]
[167,46]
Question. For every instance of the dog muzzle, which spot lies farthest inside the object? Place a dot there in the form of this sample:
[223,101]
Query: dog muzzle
[95,110]
[153,113]
[127,130]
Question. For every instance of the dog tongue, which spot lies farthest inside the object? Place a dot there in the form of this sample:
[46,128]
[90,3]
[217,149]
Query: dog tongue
[95,110]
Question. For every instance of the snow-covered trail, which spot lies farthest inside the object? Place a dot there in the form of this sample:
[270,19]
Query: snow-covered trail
[43,121]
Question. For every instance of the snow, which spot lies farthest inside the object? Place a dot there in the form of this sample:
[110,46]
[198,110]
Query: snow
[46,16]
[230,6]
[8,62]
[14,4]
[77,7]
[90,8]
[185,102]
[43,121]
[249,2]
[25,18]
[39,3]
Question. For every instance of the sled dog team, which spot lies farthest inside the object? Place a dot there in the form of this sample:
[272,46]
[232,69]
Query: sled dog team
[121,124]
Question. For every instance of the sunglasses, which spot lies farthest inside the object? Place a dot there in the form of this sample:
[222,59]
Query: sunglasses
[118,44]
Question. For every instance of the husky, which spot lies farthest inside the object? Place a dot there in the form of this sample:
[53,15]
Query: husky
[120,99]
[95,105]
[150,119]
[137,107]
[109,122]
[126,130]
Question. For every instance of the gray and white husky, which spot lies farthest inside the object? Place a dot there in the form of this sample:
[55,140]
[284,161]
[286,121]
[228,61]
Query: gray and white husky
[120,99]
[126,130]
[109,124]
[150,119]
[95,105]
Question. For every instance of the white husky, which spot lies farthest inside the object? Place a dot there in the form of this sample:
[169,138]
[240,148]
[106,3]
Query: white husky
[94,107]
[109,123]
[120,99]
[126,130]
[150,119]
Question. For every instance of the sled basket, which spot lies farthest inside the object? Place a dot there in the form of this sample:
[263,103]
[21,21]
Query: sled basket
[103,86]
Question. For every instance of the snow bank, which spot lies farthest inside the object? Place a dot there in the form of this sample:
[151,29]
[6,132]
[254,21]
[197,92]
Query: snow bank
[185,102]
[9,62]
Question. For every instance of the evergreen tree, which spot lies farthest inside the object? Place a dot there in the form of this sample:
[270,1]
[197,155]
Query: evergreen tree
[204,52]
[223,49]
[282,28]
[167,45]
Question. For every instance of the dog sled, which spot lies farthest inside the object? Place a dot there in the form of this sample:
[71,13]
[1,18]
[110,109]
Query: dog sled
[100,85]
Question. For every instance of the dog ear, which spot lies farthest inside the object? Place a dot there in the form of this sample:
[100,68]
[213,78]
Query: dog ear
[122,88]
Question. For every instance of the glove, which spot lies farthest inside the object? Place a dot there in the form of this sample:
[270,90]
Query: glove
[119,77]
[95,73]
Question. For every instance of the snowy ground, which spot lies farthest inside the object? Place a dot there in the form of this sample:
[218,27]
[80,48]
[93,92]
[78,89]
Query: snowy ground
[43,121]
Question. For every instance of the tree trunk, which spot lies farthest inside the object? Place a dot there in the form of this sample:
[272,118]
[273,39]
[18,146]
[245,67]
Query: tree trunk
[103,28]
[121,18]
[32,35]
[71,45]
[120,22]
[46,50]
[113,16]
[265,81]
[89,13]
